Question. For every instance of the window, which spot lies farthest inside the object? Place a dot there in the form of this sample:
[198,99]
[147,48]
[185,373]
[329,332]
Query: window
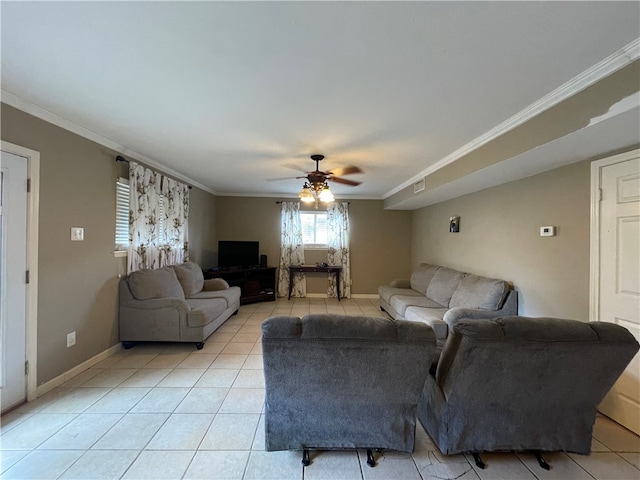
[122,214]
[314,229]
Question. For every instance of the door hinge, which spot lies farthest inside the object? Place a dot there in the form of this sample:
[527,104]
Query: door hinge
[599,195]
[26,368]
[28,185]
[26,277]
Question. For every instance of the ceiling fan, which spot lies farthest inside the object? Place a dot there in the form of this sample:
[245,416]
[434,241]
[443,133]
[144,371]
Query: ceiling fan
[318,176]
[316,189]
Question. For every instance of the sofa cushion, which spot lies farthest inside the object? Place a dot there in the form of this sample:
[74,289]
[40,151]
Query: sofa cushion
[203,311]
[421,277]
[399,303]
[386,292]
[161,283]
[430,316]
[190,277]
[443,284]
[230,295]
[475,291]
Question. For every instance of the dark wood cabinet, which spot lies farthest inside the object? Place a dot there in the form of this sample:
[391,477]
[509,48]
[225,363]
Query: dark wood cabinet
[256,284]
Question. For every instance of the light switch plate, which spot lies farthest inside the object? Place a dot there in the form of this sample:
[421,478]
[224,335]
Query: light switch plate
[549,231]
[77,234]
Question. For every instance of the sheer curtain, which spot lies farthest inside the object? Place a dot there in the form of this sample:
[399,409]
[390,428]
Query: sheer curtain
[291,251]
[338,242]
[158,219]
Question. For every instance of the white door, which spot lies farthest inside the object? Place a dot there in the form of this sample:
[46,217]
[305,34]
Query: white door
[619,266]
[13,266]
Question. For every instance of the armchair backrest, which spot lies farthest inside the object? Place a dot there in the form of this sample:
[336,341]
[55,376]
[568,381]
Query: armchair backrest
[518,383]
[335,381]
[524,363]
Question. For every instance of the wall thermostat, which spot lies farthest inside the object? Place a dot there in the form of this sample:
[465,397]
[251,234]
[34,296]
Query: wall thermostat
[547,231]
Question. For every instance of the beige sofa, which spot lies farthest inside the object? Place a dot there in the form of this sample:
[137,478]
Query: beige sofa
[440,296]
[173,304]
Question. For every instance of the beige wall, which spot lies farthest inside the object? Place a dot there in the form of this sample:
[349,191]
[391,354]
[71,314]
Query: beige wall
[380,240]
[499,237]
[77,289]
[202,227]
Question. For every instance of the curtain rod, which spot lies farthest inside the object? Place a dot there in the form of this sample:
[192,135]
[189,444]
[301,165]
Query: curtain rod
[120,158]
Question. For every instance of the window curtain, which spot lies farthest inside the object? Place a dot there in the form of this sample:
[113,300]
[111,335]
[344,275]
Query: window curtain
[175,226]
[338,243]
[291,251]
[158,219]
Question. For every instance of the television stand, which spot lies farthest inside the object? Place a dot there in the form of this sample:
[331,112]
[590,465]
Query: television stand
[256,284]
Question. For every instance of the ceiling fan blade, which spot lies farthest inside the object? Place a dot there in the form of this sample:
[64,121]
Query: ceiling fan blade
[281,178]
[345,170]
[344,181]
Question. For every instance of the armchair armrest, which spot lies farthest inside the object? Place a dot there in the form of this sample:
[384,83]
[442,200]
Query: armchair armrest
[400,283]
[457,313]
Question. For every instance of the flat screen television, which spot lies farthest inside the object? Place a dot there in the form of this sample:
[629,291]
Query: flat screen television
[237,254]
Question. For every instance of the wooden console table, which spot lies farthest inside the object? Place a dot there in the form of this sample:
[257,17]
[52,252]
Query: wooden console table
[315,269]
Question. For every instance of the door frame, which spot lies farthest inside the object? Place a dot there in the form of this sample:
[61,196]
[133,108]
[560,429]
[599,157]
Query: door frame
[594,268]
[33,207]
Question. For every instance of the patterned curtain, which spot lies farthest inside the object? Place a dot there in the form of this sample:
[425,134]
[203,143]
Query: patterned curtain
[158,214]
[176,222]
[338,253]
[291,251]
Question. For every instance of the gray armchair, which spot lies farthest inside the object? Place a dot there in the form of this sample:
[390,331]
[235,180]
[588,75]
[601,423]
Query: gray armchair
[339,382]
[522,384]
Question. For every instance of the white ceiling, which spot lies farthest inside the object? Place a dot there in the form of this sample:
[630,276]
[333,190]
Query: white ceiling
[232,95]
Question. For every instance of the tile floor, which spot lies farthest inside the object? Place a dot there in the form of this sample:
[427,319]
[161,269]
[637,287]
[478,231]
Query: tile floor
[168,411]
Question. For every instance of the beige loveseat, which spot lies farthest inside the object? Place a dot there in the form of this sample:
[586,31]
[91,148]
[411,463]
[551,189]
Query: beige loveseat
[173,304]
[440,296]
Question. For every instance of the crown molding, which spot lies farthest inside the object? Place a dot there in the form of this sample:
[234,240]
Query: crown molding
[614,62]
[288,196]
[55,119]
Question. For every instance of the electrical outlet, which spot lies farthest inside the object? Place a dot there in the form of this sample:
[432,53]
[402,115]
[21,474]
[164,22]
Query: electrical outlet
[77,234]
[71,339]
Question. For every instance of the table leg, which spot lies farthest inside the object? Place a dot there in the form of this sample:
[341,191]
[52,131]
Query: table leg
[290,283]
[338,283]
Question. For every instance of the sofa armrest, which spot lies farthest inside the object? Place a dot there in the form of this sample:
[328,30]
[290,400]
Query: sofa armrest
[156,319]
[214,284]
[509,308]
[400,283]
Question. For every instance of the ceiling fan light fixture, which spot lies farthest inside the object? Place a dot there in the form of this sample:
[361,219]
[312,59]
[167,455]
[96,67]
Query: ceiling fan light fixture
[325,194]
[306,195]
[316,189]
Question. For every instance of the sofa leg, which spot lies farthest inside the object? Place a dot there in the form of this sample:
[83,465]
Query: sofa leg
[479,462]
[128,345]
[236,312]
[541,460]
[199,345]
[370,460]
[306,459]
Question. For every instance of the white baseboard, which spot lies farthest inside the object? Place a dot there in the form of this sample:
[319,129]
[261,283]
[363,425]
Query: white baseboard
[68,375]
